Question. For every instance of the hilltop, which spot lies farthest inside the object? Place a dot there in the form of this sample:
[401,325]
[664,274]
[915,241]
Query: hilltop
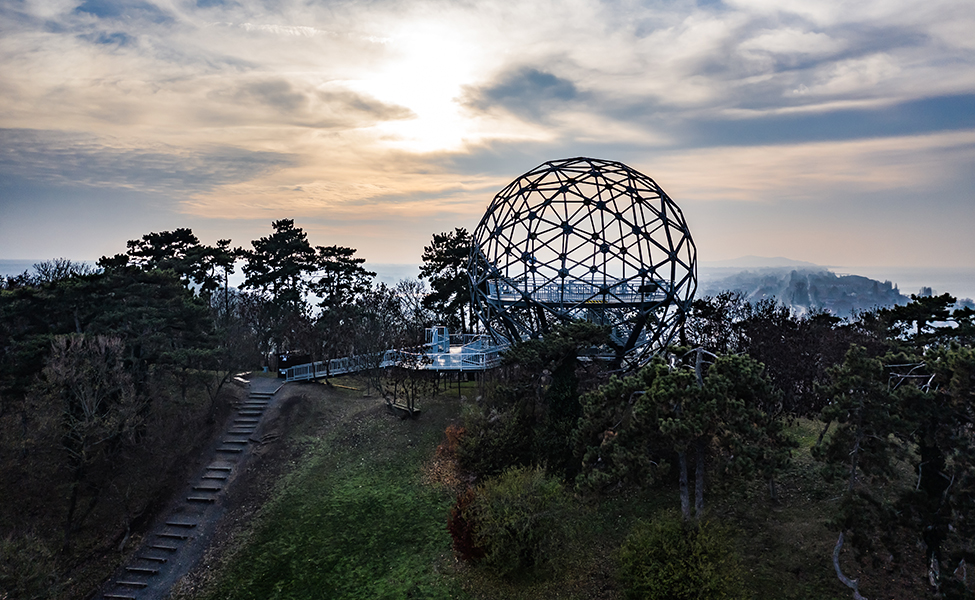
[803,288]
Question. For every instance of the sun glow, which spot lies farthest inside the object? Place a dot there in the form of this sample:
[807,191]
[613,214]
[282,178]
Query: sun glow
[428,66]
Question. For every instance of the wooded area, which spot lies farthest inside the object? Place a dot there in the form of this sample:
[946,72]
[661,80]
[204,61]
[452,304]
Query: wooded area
[111,376]
[891,389]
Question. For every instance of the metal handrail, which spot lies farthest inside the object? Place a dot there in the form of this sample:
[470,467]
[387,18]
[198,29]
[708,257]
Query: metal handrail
[472,357]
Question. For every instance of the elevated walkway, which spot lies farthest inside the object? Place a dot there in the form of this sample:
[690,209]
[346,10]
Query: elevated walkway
[442,352]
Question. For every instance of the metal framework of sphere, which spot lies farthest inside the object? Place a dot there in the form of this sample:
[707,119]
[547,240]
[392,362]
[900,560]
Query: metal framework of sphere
[590,239]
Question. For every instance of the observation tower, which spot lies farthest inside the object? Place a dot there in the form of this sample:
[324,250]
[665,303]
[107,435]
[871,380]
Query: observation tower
[584,238]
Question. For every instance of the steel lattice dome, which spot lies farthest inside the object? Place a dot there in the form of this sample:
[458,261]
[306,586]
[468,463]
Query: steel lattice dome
[583,238]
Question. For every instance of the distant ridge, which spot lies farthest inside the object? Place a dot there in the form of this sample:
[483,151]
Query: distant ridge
[756,262]
[802,288]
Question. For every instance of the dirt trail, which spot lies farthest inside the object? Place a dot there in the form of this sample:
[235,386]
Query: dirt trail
[181,535]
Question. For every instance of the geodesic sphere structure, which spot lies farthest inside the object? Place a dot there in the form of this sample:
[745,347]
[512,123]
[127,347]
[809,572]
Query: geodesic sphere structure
[583,238]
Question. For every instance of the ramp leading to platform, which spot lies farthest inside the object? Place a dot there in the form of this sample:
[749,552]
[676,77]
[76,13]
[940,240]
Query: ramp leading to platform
[471,353]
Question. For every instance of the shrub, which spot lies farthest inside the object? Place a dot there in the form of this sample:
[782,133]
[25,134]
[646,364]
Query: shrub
[461,528]
[28,568]
[494,439]
[454,434]
[667,559]
[516,522]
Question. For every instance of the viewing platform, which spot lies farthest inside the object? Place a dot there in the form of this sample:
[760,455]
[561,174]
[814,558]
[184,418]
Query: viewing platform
[574,293]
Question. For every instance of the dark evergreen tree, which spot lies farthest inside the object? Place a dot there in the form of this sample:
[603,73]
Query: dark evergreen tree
[277,269]
[445,266]
[339,279]
[278,266]
[633,428]
[530,419]
[715,323]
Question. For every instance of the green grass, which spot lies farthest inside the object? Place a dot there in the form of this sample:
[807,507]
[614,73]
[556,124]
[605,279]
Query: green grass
[353,520]
[787,546]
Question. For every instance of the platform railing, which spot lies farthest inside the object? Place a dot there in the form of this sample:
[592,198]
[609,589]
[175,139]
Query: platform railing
[595,291]
[477,355]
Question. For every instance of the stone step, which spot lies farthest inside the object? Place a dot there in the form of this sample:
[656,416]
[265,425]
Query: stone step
[164,547]
[233,450]
[235,441]
[154,559]
[219,468]
[181,524]
[173,536]
[205,488]
[138,584]
[119,597]
[198,499]
[142,570]
[220,477]
[247,420]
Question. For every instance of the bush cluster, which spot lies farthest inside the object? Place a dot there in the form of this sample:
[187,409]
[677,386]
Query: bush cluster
[516,522]
[495,439]
[668,559]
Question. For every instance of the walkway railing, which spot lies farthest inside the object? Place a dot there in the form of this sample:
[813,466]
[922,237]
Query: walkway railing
[475,356]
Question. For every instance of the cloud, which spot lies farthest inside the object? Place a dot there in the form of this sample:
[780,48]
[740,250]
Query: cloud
[419,109]
[276,93]
[116,38]
[274,100]
[814,172]
[791,41]
[85,160]
[126,10]
[525,91]
[352,186]
[296,30]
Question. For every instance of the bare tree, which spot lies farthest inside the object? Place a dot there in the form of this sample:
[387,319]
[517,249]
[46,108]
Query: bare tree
[99,413]
[49,271]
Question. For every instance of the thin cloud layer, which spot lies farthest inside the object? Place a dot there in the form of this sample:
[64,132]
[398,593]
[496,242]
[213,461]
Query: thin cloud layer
[79,159]
[352,113]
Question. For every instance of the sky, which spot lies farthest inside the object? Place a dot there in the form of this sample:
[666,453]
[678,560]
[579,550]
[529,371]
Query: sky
[834,132]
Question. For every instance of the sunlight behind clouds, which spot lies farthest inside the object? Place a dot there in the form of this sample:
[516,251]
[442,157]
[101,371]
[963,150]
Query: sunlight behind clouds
[430,61]
[422,110]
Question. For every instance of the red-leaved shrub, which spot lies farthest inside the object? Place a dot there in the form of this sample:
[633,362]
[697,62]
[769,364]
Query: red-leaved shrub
[461,527]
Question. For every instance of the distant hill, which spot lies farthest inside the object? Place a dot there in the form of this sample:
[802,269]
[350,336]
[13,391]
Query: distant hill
[803,289]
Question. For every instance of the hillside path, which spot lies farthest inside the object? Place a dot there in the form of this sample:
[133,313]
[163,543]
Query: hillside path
[178,539]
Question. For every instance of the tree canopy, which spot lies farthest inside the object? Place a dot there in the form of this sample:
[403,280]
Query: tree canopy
[445,266]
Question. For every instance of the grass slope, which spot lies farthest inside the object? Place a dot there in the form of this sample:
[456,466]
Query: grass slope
[355,519]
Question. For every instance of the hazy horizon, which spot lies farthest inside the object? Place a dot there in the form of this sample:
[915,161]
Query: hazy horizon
[959,282]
